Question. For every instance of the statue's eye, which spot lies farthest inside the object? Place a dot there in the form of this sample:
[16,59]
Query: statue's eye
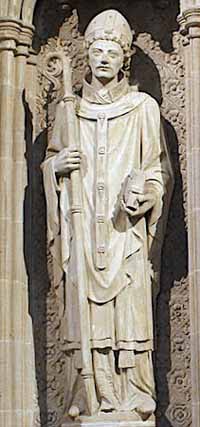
[113,54]
[96,52]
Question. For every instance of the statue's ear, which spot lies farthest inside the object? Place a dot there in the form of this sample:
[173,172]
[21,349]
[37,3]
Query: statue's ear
[133,50]
[127,58]
[88,74]
[86,51]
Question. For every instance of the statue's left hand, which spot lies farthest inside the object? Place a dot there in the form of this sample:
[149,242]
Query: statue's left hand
[146,202]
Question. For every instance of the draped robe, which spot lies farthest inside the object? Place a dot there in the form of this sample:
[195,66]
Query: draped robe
[120,132]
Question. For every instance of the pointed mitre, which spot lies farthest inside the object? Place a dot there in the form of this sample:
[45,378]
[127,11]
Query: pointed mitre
[109,25]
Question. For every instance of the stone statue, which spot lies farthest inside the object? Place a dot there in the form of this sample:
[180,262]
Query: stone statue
[126,186]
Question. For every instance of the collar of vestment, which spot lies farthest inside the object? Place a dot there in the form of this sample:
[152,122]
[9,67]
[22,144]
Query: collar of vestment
[123,105]
[107,94]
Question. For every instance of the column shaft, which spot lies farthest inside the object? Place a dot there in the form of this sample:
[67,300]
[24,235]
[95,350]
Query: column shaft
[22,323]
[17,370]
[194,197]
[7,68]
[190,27]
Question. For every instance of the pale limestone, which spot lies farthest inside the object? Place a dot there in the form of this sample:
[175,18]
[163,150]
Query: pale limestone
[17,370]
[114,260]
[15,10]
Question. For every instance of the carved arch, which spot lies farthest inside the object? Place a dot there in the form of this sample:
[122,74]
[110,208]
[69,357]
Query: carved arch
[27,10]
[18,9]
[11,8]
[24,9]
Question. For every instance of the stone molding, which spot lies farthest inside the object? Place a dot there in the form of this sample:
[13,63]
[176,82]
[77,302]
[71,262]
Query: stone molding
[189,21]
[18,404]
[9,33]
[15,36]
[18,8]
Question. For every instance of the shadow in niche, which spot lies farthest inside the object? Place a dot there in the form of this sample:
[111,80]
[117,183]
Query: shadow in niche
[156,17]
[48,19]
[35,255]
[145,74]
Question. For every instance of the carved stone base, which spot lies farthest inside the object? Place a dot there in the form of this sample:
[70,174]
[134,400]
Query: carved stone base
[110,420]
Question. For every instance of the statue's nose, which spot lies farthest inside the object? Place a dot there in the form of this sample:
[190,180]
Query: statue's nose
[104,60]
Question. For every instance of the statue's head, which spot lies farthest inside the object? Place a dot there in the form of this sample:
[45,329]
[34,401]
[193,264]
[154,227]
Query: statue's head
[108,39]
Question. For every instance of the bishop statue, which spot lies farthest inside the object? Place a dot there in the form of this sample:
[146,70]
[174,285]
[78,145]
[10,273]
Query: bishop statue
[126,182]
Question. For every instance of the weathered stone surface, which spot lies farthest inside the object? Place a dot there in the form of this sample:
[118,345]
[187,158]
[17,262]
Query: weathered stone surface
[159,70]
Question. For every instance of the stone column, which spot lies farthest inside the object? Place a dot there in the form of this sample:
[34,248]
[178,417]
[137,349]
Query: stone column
[17,382]
[190,28]
[31,88]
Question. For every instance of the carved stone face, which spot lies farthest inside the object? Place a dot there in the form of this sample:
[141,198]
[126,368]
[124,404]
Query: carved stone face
[105,59]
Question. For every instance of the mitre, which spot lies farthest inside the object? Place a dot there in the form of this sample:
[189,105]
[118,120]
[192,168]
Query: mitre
[109,25]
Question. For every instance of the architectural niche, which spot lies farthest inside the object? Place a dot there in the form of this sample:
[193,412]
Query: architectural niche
[160,72]
[166,65]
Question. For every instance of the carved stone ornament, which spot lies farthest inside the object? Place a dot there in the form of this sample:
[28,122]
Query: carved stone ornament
[173,380]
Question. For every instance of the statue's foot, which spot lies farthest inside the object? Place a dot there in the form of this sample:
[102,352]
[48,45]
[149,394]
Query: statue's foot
[105,410]
[107,406]
[74,411]
[145,408]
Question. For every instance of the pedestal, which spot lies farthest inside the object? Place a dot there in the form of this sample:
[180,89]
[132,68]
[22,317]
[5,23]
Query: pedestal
[110,420]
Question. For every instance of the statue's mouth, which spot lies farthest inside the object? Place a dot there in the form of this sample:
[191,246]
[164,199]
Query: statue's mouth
[104,68]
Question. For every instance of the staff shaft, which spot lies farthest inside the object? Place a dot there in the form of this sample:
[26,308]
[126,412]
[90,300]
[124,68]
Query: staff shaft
[77,213]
